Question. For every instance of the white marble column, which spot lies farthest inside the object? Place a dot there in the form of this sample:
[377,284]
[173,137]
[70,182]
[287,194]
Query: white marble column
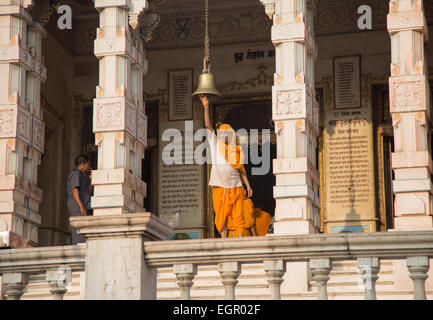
[115,265]
[119,120]
[410,110]
[295,113]
[22,130]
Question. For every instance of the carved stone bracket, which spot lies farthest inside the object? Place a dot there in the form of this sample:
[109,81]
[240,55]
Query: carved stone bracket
[148,23]
[135,9]
[269,7]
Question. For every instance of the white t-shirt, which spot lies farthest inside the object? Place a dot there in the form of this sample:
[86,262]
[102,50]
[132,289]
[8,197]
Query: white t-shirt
[222,173]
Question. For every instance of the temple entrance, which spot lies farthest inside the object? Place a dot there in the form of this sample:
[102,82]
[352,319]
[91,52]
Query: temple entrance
[384,146]
[250,114]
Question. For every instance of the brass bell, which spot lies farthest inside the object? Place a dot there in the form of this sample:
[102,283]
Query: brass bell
[206,85]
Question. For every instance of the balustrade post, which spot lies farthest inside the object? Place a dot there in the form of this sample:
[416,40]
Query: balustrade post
[58,282]
[14,284]
[320,269]
[418,267]
[185,273]
[229,271]
[275,270]
[369,268]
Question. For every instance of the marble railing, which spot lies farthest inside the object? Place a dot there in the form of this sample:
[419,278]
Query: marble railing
[274,251]
[56,263]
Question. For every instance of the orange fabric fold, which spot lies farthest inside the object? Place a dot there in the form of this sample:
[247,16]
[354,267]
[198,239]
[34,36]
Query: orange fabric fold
[232,206]
[228,203]
[232,151]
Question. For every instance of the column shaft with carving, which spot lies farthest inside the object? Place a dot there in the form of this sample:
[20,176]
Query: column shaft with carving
[119,120]
[410,110]
[22,130]
[295,112]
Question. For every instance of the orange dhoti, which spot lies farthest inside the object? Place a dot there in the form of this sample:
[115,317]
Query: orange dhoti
[231,206]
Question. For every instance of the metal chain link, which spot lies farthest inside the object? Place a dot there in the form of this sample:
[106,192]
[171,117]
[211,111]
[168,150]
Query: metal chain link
[206,61]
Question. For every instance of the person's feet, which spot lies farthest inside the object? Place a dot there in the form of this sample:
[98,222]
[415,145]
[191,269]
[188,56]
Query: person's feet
[224,233]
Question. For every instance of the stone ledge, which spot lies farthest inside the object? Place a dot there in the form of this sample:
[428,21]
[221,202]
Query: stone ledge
[122,226]
[35,260]
[391,245]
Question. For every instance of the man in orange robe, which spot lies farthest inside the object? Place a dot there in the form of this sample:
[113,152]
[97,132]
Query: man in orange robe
[235,215]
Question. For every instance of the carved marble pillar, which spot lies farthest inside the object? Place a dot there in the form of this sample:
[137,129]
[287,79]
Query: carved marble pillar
[295,113]
[119,120]
[21,124]
[410,110]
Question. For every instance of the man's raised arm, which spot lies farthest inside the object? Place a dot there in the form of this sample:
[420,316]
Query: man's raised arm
[204,100]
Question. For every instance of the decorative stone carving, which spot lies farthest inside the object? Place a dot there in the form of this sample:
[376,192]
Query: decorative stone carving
[135,9]
[3,225]
[38,134]
[290,103]
[407,94]
[14,122]
[131,119]
[7,121]
[142,128]
[269,7]
[23,126]
[148,23]
[109,115]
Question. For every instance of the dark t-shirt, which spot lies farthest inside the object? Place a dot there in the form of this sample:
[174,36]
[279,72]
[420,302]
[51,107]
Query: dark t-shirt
[77,180]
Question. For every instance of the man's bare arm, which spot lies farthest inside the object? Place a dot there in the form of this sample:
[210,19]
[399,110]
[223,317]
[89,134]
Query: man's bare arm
[245,181]
[77,199]
[204,100]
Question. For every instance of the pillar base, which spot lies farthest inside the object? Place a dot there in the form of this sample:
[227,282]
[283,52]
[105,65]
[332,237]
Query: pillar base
[297,278]
[294,227]
[10,239]
[115,266]
[410,222]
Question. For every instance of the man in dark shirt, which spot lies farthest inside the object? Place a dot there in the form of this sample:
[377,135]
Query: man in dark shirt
[78,193]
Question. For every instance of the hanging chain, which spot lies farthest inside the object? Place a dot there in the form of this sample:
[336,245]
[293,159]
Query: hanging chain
[206,39]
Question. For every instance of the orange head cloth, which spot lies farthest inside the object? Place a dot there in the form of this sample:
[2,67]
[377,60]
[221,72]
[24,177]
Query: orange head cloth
[232,151]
